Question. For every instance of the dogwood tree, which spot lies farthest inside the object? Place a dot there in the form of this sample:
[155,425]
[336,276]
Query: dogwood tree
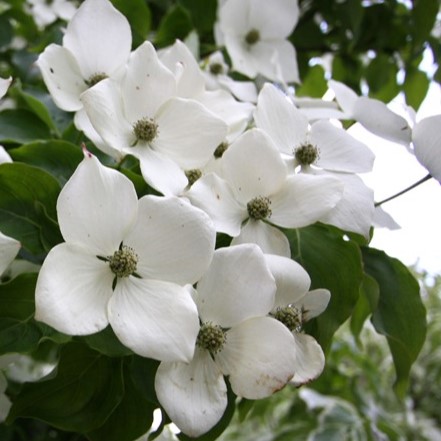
[184,223]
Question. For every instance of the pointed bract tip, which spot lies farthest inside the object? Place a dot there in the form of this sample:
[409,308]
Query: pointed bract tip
[86,152]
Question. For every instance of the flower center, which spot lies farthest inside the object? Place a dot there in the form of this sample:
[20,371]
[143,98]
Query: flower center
[306,154]
[145,129]
[211,337]
[216,68]
[259,208]
[96,78]
[290,316]
[252,37]
[123,262]
[193,175]
[220,150]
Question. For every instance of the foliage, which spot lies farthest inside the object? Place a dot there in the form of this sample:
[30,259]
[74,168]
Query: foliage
[100,389]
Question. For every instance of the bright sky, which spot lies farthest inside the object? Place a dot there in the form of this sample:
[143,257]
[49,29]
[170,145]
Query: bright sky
[418,212]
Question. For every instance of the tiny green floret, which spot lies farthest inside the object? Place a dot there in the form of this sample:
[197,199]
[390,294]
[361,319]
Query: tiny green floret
[259,208]
[211,337]
[290,316]
[306,154]
[123,262]
[252,37]
[96,78]
[145,129]
[220,149]
[216,68]
[193,175]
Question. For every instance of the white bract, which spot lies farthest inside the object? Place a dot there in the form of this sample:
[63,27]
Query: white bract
[426,138]
[255,34]
[5,402]
[125,262]
[320,145]
[191,83]
[294,305]
[256,187]
[236,339]
[4,86]
[372,114]
[89,53]
[46,12]
[215,71]
[4,155]
[9,248]
[143,117]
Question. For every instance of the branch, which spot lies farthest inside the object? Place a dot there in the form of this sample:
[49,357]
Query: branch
[426,178]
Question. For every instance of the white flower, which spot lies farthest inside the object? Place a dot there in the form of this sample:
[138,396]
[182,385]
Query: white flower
[255,34]
[4,86]
[89,53]
[382,219]
[294,305]
[236,339]
[4,155]
[426,138]
[124,262]
[191,84]
[9,248]
[320,145]
[372,114]
[356,209]
[45,12]
[257,188]
[216,76]
[5,402]
[144,118]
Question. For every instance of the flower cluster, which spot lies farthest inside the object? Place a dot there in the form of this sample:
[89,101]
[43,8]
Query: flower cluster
[131,263]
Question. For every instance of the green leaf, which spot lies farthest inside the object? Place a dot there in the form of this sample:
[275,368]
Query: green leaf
[416,85]
[6,32]
[28,198]
[366,305]
[131,418]
[21,126]
[25,67]
[41,104]
[17,332]
[332,263]
[50,334]
[424,15]
[138,14]
[347,70]
[351,14]
[203,14]
[33,104]
[18,336]
[16,308]
[381,75]
[143,371]
[85,390]
[17,297]
[314,84]
[400,314]
[175,24]
[59,158]
[107,343]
